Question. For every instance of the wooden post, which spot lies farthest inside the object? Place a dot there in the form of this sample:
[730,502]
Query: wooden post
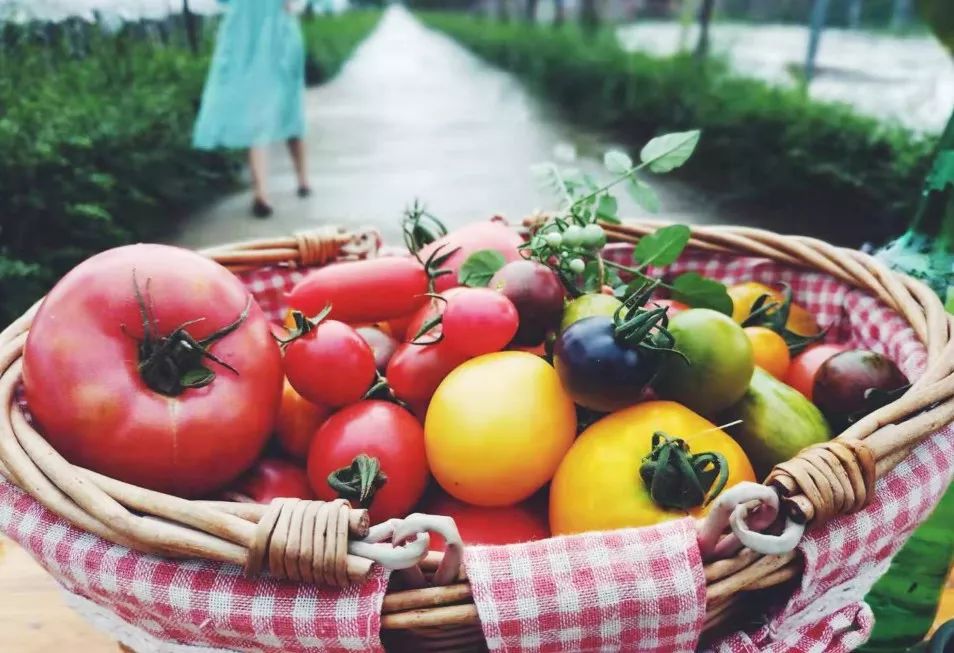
[854,13]
[818,17]
[705,19]
[192,34]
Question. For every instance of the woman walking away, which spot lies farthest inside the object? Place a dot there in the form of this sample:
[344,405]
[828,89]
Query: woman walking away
[254,94]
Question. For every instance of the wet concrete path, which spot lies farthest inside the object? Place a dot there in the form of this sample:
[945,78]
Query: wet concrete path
[414,115]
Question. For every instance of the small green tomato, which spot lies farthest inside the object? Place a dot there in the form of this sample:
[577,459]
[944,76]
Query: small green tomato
[554,239]
[573,236]
[593,236]
[577,266]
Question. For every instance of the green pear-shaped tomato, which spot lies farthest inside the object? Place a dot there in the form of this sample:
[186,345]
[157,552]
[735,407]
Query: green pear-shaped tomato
[720,362]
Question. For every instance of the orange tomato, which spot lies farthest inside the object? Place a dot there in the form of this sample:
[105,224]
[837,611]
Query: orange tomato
[801,373]
[745,294]
[298,419]
[598,484]
[769,350]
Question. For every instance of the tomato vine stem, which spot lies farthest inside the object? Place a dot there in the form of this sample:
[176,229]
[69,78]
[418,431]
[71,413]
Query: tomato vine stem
[678,479]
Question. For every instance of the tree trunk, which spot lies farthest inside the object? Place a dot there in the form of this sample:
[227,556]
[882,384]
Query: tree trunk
[901,14]
[559,12]
[531,11]
[819,15]
[705,19]
[192,33]
[503,11]
[854,14]
[589,15]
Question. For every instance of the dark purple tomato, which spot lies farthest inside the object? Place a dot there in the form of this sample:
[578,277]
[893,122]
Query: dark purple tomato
[381,344]
[853,383]
[598,372]
[537,293]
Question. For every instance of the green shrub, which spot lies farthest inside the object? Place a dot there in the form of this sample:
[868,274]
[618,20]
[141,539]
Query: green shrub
[95,149]
[770,145]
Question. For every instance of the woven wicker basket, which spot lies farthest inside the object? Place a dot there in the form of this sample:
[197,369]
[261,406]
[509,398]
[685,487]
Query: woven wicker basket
[820,483]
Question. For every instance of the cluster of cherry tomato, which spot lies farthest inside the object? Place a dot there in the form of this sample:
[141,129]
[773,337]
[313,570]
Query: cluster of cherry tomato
[391,373]
[361,373]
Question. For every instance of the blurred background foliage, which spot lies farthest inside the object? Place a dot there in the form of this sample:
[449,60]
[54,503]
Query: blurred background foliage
[771,145]
[95,130]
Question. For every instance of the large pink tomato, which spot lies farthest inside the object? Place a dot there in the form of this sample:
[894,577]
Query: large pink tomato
[152,365]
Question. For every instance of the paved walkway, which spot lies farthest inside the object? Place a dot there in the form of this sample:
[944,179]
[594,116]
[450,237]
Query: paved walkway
[414,115]
[909,79]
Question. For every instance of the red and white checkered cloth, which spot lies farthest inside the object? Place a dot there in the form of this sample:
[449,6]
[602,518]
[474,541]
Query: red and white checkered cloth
[628,590]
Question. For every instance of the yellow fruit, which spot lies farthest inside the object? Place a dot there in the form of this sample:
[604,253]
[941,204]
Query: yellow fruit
[598,484]
[745,294]
[497,427]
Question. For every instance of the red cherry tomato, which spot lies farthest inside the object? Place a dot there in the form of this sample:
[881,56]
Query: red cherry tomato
[382,345]
[274,478]
[523,522]
[380,430]
[330,364]
[804,367]
[479,321]
[428,312]
[363,291]
[298,419]
[415,371]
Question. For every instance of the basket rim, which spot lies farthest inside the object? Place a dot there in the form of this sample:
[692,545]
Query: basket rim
[225,531]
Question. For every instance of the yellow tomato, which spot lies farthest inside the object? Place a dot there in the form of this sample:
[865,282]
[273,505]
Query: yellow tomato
[769,351]
[497,427]
[598,485]
[745,294]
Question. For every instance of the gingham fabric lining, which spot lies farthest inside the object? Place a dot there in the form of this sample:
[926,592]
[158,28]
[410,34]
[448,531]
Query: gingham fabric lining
[212,605]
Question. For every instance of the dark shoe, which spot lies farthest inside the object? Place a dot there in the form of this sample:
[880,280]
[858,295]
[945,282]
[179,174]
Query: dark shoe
[304,191]
[261,209]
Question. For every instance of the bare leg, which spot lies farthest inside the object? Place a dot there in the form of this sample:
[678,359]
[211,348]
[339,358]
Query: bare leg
[257,163]
[296,148]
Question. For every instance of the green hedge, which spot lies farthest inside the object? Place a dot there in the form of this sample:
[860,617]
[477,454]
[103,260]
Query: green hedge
[96,146]
[767,145]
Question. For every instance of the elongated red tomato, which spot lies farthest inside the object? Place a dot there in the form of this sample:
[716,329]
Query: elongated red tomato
[479,321]
[116,381]
[467,240]
[330,365]
[392,443]
[363,291]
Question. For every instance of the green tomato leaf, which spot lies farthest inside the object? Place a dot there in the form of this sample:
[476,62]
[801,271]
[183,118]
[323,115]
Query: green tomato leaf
[606,209]
[669,151]
[701,292]
[617,162]
[643,194]
[479,267]
[663,246]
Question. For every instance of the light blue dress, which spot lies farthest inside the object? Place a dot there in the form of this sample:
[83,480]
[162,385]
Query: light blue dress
[254,93]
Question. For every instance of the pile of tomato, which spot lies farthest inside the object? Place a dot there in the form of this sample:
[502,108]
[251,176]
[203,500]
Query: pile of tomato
[420,383]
